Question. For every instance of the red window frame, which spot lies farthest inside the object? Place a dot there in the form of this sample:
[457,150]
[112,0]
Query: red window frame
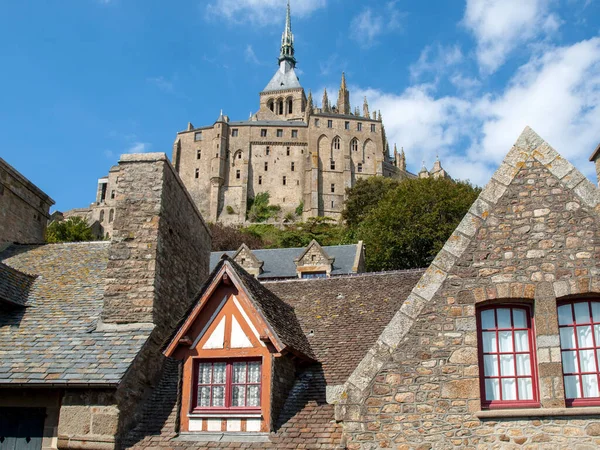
[582,401]
[195,408]
[500,404]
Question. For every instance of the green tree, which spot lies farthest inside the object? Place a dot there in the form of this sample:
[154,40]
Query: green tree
[364,196]
[411,223]
[259,209]
[74,229]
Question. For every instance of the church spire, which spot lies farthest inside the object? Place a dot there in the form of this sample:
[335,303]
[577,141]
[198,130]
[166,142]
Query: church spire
[286,56]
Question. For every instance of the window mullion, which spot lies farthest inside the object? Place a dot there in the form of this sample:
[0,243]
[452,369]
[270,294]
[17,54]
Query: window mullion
[512,327]
[498,354]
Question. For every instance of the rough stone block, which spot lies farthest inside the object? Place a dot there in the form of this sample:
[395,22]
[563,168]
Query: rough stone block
[456,244]
[560,167]
[430,282]
[493,191]
[396,329]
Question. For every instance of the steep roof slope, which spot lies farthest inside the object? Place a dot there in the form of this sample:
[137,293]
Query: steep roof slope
[344,316]
[53,341]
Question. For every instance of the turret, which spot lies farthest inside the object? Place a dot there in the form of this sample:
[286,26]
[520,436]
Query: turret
[423,173]
[309,106]
[366,109]
[400,158]
[343,104]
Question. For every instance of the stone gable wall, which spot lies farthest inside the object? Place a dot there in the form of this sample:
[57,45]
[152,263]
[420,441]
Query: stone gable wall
[538,243]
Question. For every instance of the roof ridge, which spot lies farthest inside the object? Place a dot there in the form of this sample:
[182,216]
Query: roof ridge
[350,275]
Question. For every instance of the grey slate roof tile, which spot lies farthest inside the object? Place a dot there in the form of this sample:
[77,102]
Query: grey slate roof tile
[14,285]
[279,262]
[50,341]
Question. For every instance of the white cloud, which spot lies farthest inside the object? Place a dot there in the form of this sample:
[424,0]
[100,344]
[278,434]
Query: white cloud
[501,26]
[138,147]
[557,93]
[162,83]
[260,12]
[367,26]
[250,55]
[436,60]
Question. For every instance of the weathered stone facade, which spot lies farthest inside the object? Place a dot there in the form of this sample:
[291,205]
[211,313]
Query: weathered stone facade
[531,237]
[298,153]
[24,208]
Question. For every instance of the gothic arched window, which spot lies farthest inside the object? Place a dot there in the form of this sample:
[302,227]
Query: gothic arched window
[336,143]
[354,145]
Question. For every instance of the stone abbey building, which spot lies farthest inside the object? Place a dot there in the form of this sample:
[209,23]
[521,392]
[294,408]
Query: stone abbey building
[297,152]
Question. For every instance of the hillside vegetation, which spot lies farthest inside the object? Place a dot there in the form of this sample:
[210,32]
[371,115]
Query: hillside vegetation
[402,223]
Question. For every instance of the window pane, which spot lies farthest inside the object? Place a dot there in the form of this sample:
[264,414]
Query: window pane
[218,396]
[503,317]
[204,373]
[569,362]
[490,365]
[509,389]
[567,338]
[204,396]
[565,315]
[219,373]
[254,372]
[525,389]
[239,372]
[523,364]
[507,365]
[492,389]
[506,341]
[596,311]
[238,396]
[521,341]
[587,359]
[253,395]
[597,333]
[590,385]
[488,322]
[584,336]
[489,342]
[519,318]
[572,387]
[582,312]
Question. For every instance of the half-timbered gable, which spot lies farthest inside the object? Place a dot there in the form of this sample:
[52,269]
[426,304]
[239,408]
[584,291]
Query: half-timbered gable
[229,345]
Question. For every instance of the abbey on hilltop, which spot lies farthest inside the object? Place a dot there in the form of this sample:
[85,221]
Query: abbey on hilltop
[303,155]
[299,153]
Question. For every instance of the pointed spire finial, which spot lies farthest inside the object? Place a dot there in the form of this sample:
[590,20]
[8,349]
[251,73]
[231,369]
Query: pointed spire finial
[395,149]
[325,105]
[366,109]
[287,41]
[343,86]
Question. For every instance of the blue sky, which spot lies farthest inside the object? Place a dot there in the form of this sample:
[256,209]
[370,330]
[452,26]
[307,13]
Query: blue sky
[87,80]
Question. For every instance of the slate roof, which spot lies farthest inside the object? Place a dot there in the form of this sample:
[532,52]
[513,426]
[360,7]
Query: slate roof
[283,80]
[14,286]
[344,316]
[279,262]
[53,341]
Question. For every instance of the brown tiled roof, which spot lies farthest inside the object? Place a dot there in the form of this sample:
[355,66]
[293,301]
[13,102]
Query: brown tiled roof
[14,286]
[343,317]
[53,341]
[278,314]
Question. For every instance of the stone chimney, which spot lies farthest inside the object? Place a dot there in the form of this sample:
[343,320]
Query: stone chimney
[595,158]
[159,252]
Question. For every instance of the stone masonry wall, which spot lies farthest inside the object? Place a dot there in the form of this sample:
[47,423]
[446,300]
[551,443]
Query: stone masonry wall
[24,208]
[158,260]
[538,243]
